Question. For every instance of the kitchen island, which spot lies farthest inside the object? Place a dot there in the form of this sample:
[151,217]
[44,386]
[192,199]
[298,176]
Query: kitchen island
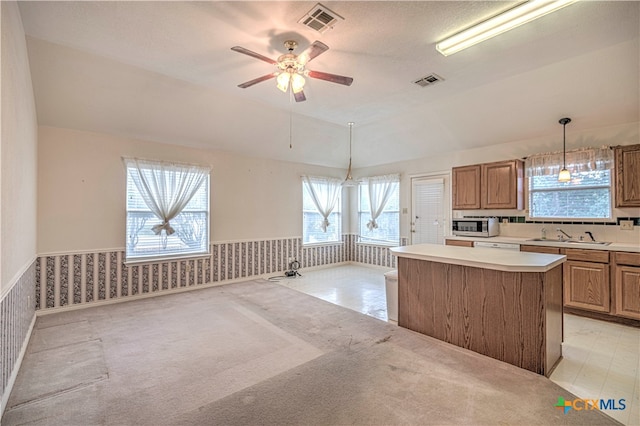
[503,304]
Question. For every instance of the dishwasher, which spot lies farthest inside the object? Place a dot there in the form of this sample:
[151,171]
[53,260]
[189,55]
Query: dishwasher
[503,246]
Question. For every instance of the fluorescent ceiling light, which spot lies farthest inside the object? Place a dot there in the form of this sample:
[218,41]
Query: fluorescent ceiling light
[499,24]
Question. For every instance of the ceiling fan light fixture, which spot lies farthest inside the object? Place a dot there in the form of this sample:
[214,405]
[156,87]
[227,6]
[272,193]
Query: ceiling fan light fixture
[512,18]
[297,82]
[291,72]
[283,81]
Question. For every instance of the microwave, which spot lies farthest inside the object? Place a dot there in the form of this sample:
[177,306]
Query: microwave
[476,227]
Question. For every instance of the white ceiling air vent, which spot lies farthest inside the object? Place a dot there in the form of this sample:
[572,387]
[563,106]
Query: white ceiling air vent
[428,80]
[320,18]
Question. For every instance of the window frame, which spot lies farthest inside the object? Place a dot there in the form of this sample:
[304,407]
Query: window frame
[371,241]
[610,188]
[337,222]
[161,257]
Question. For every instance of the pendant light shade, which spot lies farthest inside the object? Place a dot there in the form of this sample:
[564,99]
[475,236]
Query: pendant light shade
[564,175]
[348,181]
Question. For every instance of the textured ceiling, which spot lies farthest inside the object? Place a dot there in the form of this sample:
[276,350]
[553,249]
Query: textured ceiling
[164,71]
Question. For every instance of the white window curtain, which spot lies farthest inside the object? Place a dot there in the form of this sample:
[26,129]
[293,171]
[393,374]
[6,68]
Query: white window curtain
[324,193]
[165,187]
[578,160]
[380,189]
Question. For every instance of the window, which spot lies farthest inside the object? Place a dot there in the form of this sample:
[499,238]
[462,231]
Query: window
[586,196]
[167,210]
[321,210]
[385,227]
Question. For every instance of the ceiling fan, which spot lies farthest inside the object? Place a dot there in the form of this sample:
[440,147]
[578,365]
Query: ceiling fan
[291,70]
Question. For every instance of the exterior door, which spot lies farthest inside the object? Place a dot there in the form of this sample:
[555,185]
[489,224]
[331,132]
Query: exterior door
[429,209]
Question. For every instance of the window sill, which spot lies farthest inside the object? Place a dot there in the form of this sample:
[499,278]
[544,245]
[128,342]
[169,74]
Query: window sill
[328,243]
[165,259]
[380,244]
[569,220]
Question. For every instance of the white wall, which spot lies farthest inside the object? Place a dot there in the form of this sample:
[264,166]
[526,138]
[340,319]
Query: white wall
[81,203]
[17,153]
[81,196]
[625,134]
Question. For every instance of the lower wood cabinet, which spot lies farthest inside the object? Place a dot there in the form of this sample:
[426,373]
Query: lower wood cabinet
[586,280]
[540,249]
[586,285]
[598,283]
[627,285]
[459,243]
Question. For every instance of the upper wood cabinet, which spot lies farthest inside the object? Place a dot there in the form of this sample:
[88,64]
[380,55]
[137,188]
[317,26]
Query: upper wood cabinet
[466,187]
[627,171]
[502,185]
[488,186]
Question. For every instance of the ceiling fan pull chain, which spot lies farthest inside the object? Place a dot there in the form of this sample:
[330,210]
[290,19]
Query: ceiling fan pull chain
[290,119]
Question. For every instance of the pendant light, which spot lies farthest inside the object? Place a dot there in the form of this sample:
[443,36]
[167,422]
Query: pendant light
[349,179]
[564,175]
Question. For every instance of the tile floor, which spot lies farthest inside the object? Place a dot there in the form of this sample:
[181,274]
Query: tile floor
[601,360]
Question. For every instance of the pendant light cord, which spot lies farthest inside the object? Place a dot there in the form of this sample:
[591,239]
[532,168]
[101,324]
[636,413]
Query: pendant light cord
[564,146]
[350,139]
[564,122]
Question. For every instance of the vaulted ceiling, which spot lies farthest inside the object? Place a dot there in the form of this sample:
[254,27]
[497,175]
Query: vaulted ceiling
[165,71]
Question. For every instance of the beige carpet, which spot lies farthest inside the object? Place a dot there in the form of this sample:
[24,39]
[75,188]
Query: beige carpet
[259,353]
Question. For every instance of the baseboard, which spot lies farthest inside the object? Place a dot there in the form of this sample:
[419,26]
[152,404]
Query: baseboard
[602,316]
[16,368]
[79,306]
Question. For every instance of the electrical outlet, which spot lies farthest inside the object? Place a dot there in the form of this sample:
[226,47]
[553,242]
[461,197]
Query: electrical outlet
[626,225]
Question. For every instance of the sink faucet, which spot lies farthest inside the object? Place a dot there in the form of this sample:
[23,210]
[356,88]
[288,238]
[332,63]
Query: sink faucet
[543,233]
[590,235]
[560,236]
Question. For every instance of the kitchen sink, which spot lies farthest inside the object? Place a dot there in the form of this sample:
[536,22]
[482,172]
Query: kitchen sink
[550,240]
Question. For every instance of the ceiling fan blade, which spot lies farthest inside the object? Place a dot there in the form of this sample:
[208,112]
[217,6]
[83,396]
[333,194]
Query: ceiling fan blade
[257,80]
[333,78]
[253,54]
[299,97]
[315,49]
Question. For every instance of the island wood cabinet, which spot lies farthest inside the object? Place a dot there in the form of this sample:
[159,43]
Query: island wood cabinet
[512,316]
[627,172]
[496,185]
[626,278]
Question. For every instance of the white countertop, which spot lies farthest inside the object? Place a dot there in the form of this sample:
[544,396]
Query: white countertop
[628,247]
[486,258]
